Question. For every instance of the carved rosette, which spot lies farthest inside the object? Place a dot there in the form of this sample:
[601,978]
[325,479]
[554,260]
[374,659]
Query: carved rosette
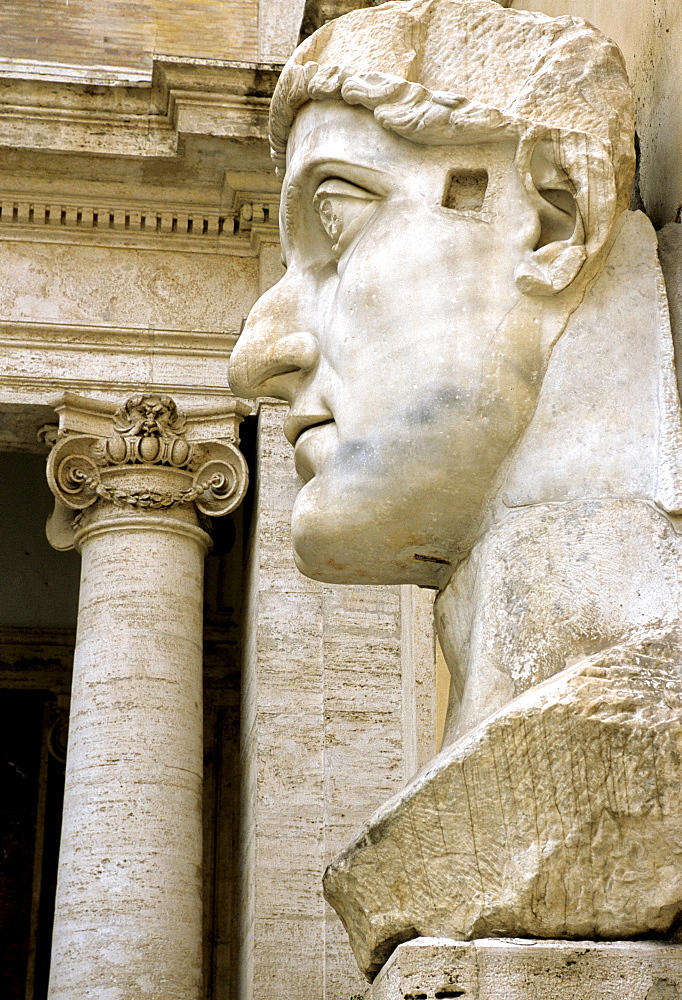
[146,462]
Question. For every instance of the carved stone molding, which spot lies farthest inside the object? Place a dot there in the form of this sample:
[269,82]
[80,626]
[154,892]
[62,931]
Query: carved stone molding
[106,115]
[37,214]
[148,428]
[108,361]
[143,455]
[185,120]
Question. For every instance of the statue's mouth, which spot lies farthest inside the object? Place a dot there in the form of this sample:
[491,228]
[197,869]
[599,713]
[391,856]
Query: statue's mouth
[313,437]
[298,424]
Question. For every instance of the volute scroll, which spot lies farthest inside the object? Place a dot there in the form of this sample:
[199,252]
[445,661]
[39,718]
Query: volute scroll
[142,457]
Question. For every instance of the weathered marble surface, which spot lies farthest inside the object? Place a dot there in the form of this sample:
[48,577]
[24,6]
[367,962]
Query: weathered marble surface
[584,546]
[559,817]
[670,252]
[649,34]
[515,969]
[401,451]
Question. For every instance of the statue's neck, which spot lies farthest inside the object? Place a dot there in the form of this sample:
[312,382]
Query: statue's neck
[546,586]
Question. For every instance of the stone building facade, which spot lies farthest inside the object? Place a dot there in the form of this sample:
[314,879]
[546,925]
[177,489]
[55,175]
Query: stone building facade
[138,225]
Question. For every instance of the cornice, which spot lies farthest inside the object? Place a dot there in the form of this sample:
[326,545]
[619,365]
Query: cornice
[93,111]
[59,336]
[72,171]
[35,390]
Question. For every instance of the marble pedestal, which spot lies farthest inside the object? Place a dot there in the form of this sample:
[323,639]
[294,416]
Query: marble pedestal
[520,969]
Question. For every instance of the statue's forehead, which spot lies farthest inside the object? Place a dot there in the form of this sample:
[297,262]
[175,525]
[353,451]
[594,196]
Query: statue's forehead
[335,131]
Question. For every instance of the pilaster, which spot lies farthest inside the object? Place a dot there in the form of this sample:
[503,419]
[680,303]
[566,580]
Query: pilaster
[337,713]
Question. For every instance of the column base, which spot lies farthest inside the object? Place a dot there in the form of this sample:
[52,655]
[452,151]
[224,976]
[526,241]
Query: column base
[520,969]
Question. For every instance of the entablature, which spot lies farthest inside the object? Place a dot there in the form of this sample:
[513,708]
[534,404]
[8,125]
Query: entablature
[100,111]
[133,209]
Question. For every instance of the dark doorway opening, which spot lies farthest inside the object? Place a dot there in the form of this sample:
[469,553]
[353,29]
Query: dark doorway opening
[32,752]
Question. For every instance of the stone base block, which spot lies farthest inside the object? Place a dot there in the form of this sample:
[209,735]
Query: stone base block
[519,969]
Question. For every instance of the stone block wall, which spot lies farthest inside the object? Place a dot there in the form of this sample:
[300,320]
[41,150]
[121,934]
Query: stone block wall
[121,35]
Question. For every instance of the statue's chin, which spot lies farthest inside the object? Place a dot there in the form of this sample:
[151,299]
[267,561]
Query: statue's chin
[347,546]
[323,551]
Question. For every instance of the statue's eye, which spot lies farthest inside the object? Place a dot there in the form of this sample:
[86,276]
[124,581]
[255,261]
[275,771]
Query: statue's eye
[343,209]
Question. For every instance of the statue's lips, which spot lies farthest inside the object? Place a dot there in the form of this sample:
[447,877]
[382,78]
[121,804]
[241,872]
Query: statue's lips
[296,425]
[312,445]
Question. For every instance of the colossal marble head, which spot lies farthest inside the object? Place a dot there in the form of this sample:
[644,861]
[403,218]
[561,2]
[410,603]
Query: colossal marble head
[453,174]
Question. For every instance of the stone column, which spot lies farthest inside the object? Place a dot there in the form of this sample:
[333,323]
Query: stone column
[128,909]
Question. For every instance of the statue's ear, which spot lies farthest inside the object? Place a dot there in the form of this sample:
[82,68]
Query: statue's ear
[558,251]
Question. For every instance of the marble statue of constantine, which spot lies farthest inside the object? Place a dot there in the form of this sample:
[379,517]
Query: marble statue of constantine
[472,334]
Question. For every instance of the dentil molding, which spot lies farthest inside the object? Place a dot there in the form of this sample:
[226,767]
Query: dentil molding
[74,139]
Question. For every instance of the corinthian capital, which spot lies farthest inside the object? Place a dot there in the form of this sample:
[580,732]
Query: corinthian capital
[144,455]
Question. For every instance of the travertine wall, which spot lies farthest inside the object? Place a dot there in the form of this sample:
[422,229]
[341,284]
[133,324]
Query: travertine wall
[127,34]
[109,287]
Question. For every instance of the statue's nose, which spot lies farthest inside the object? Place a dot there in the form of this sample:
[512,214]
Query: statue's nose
[260,362]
